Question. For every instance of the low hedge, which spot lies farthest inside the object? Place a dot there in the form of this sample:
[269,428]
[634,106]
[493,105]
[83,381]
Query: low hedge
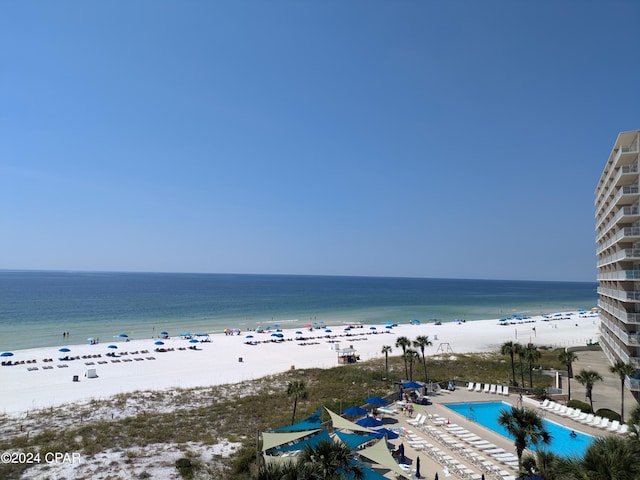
[582,406]
[606,413]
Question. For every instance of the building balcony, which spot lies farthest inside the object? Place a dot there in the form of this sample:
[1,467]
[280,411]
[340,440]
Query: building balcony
[617,294]
[627,254]
[620,275]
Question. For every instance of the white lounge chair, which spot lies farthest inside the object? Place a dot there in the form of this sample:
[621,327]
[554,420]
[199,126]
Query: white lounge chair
[568,412]
[505,390]
[478,387]
[486,388]
[550,406]
[416,420]
[580,417]
[603,424]
[470,386]
[589,419]
[561,410]
[545,403]
[624,428]
[596,421]
[615,425]
[499,389]
[492,388]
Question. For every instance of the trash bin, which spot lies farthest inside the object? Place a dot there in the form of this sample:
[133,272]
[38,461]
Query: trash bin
[240,359]
[75,378]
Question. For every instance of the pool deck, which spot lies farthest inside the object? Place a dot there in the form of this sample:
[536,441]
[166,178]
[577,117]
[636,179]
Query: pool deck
[447,449]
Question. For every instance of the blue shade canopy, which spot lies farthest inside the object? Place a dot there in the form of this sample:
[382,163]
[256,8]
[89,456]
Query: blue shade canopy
[6,354]
[311,441]
[385,432]
[375,401]
[355,411]
[308,423]
[112,346]
[159,343]
[64,350]
[164,333]
[353,440]
[193,340]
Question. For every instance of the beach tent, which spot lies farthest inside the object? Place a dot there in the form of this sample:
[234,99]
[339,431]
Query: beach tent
[380,454]
[271,440]
[339,422]
[310,423]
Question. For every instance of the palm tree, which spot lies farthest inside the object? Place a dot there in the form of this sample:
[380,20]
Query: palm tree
[532,354]
[526,426]
[508,348]
[297,389]
[421,342]
[410,357]
[547,465]
[567,357]
[331,460]
[386,349]
[634,423]
[611,457]
[588,378]
[404,343]
[520,350]
[622,370]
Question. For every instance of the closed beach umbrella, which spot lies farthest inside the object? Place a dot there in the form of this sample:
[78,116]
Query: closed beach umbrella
[112,346]
[6,354]
[64,350]
[401,451]
[159,343]
[418,467]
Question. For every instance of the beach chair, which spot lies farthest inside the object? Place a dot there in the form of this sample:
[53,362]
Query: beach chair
[549,406]
[415,421]
[478,387]
[470,386]
[486,388]
[580,416]
[624,428]
[545,404]
[603,424]
[568,412]
[505,390]
[615,425]
[492,388]
[596,421]
[589,419]
[499,389]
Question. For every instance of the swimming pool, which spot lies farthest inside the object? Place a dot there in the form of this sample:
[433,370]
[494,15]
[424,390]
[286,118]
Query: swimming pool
[487,413]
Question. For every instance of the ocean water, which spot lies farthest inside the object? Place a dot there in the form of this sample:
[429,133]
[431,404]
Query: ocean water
[36,307]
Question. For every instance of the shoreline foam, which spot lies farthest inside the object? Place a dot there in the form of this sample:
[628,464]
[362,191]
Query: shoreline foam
[228,359]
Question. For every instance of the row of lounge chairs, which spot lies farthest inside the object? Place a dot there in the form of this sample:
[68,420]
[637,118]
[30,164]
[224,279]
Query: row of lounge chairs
[588,419]
[488,388]
[483,455]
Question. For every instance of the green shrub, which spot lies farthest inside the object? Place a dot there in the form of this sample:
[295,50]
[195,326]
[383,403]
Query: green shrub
[185,467]
[582,406]
[606,413]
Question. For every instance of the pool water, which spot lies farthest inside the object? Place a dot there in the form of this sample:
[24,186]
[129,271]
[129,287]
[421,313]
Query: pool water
[487,413]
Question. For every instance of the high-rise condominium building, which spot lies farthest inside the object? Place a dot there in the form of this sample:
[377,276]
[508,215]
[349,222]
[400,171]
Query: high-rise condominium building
[618,249]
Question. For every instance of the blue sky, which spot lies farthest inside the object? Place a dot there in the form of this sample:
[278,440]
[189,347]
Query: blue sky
[432,139]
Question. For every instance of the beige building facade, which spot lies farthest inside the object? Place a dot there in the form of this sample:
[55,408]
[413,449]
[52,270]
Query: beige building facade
[617,206]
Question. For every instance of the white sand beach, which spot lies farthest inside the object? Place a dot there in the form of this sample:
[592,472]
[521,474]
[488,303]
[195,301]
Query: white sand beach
[228,359]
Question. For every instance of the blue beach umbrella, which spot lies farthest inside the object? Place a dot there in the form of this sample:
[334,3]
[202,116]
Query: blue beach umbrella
[355,411]
[327,331]
[164,333]
[369,422]
[6,354]
[249,336]
[375,401]
[123,335]
[389,326]
[298,333]
[372,328]
[64,350]
[112,346]
[385,432]
[410,385]
[348,329]
[193,340]
[159,343]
